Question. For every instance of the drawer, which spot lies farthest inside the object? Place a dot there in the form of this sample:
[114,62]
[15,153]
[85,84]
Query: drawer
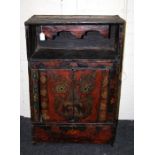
[83,133]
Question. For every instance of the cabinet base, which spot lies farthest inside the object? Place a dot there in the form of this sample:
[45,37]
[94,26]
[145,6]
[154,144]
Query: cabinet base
[88,133]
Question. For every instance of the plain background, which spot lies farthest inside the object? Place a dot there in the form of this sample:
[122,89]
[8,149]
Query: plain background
[124,8]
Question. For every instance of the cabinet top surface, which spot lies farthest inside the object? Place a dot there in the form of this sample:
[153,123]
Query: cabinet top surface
[74,19]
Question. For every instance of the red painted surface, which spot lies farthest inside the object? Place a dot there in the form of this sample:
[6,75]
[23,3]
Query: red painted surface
[88,101]
[74,103]
[92,133]
[60,101]
[80,98]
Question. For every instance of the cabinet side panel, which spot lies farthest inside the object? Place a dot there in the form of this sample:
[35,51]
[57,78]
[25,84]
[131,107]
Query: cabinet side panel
[113,101]
[34,95]
[31,40]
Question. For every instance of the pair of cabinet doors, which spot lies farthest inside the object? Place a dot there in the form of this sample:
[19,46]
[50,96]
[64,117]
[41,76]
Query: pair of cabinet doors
[70,94]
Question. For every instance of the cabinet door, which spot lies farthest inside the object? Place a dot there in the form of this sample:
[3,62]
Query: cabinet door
[85,95]
[56,95]
[90,94]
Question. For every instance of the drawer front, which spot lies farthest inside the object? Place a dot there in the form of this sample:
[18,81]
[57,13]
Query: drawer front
[73,133]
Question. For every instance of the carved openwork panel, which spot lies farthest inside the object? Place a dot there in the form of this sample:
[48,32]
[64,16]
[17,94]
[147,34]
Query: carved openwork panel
[77,30]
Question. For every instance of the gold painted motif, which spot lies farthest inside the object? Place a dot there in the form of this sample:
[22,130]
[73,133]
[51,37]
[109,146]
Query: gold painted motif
[61,88]
[43,79]
[45,115]
[87,83]
[86,88]
[43,92]
[63,103]
[104,94]
[84,101]
[44,104]
[35,97]
[35,75]
[44,96]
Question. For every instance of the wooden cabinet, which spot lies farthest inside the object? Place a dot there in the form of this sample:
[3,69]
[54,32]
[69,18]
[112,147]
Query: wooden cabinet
[75,65]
